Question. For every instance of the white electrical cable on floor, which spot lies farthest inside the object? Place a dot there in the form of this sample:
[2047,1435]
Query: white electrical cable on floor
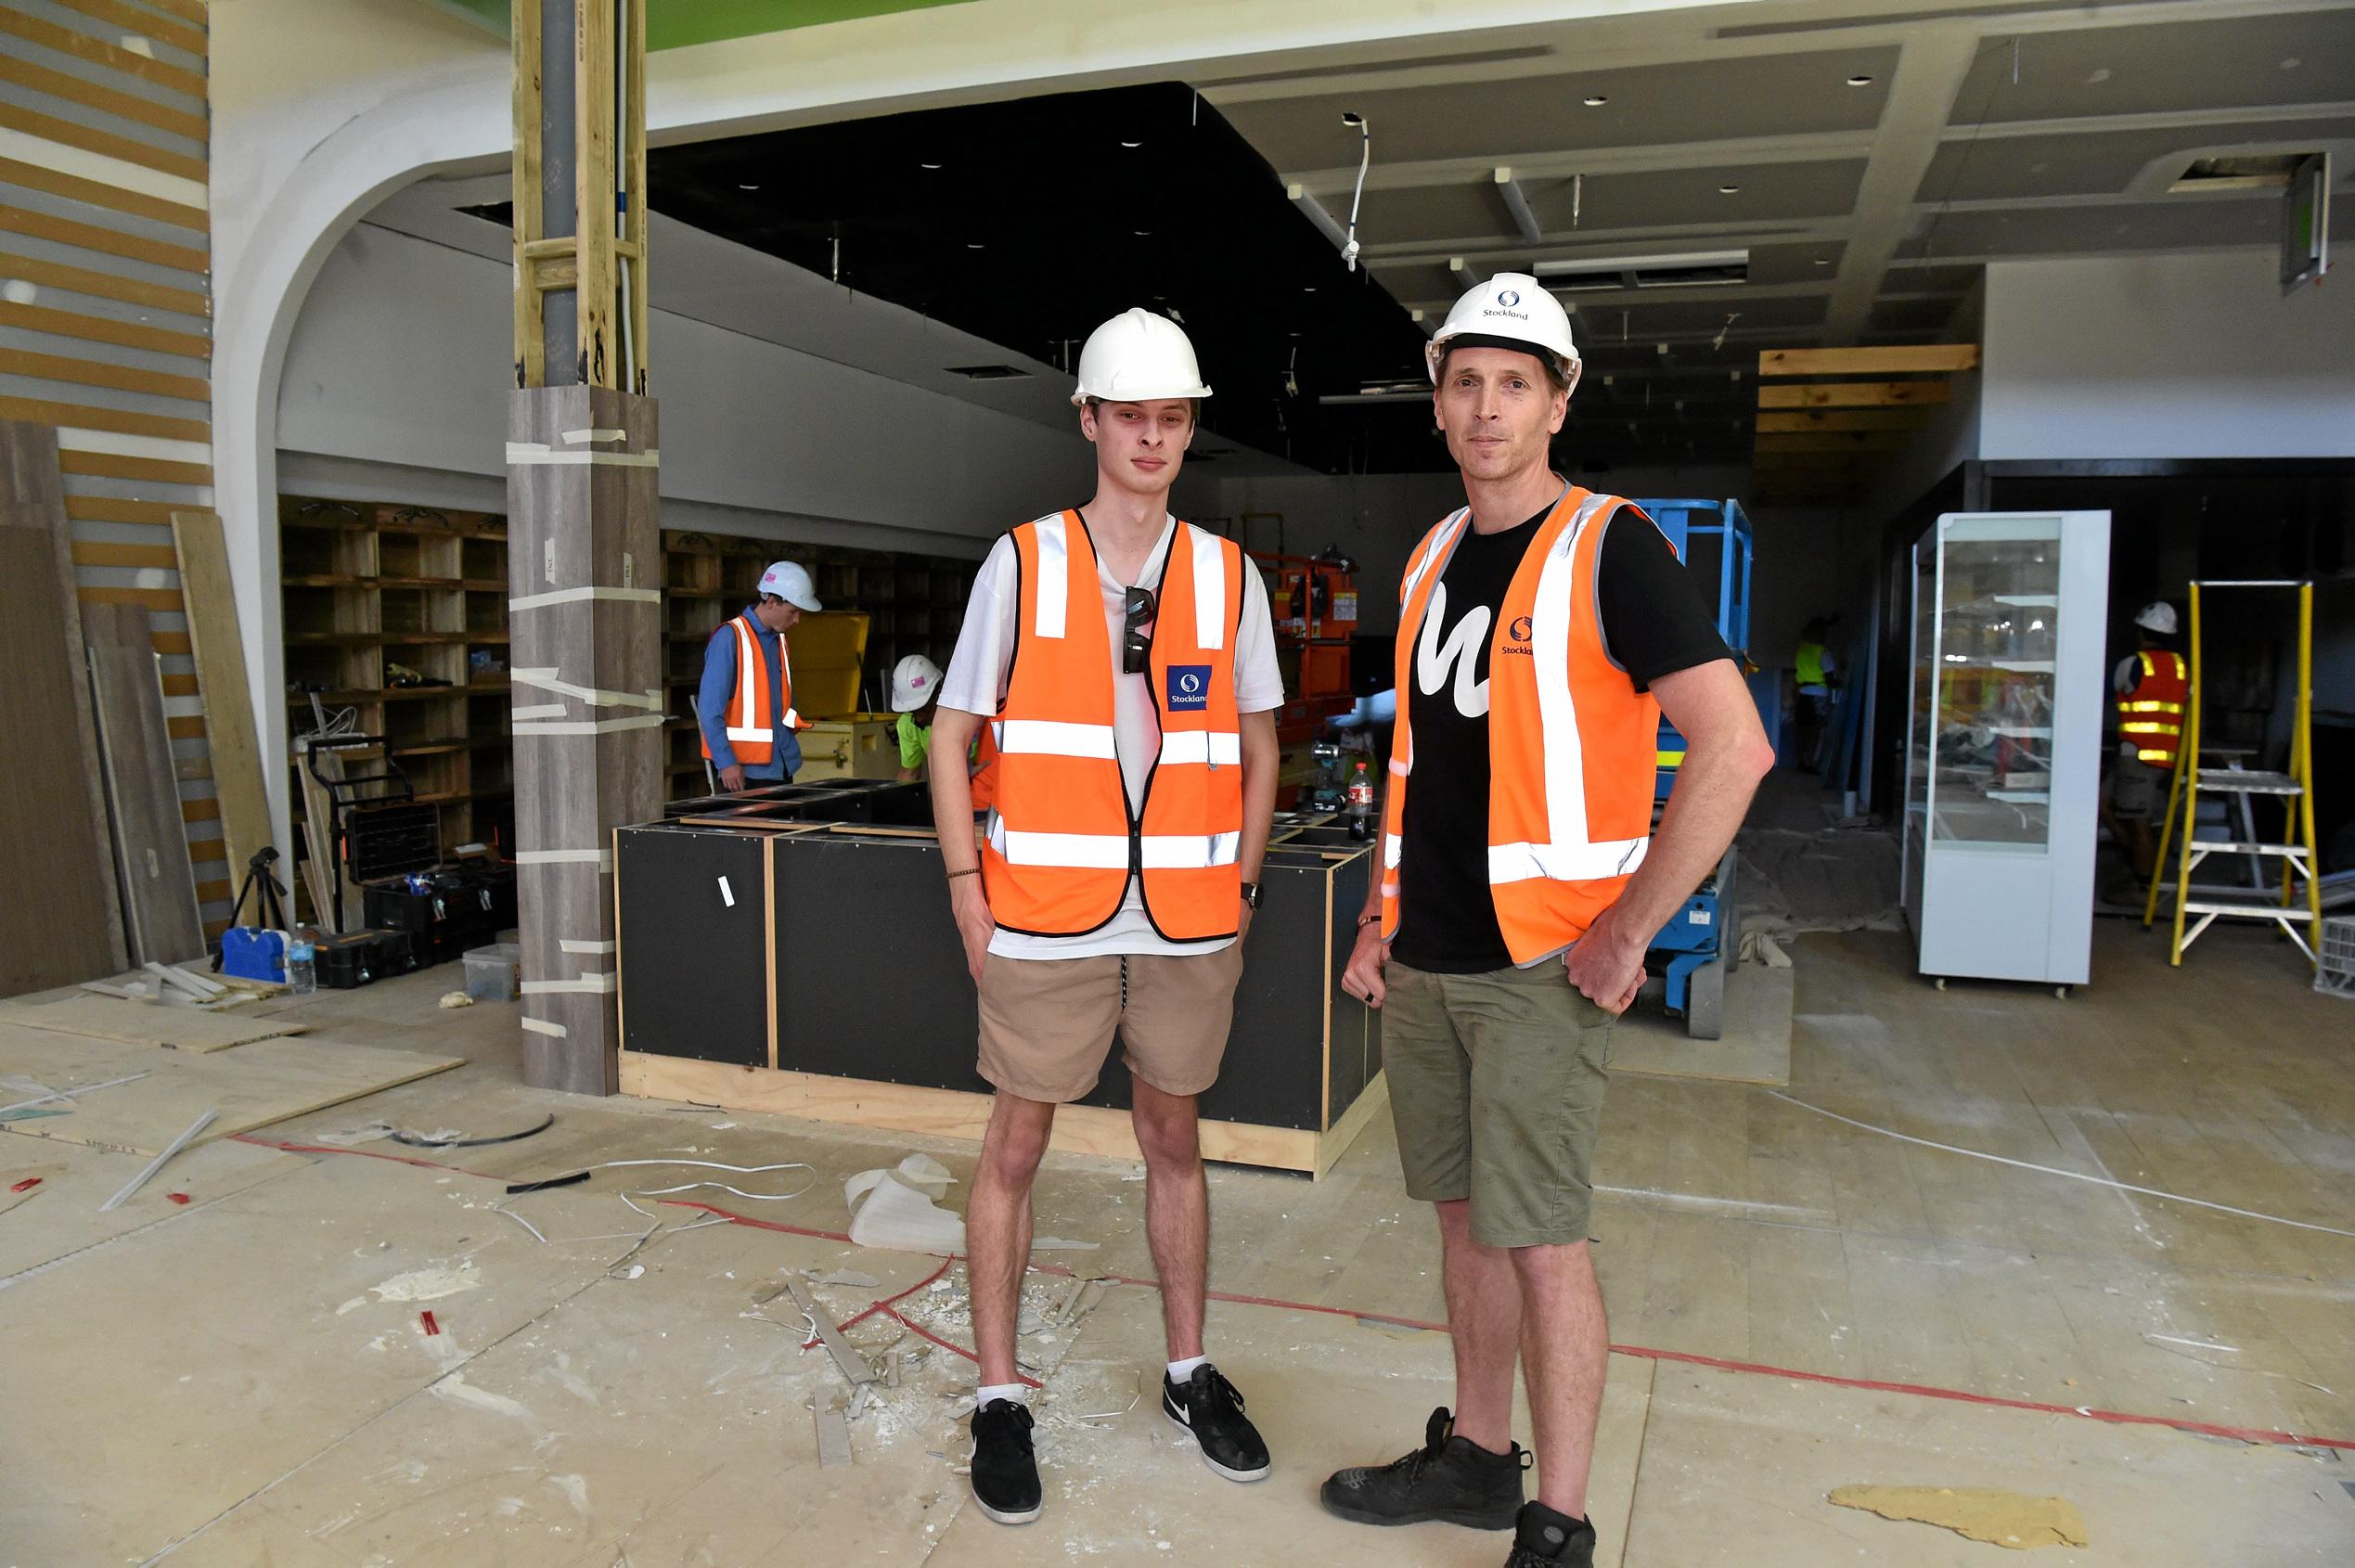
[2073,1175]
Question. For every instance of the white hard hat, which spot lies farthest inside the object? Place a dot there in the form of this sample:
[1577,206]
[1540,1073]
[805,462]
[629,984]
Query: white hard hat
[2157,616]
[789,581]
[915,681]
[1136,358]
[1512,310]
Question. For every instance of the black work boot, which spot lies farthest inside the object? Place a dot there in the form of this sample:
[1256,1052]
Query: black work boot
[1005,1470]
[1449,1478]
[1544,1538]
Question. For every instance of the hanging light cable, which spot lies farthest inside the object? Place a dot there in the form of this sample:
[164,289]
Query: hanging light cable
[1365,161]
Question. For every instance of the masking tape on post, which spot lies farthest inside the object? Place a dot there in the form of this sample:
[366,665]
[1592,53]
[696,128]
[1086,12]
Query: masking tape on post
[601,858]
[587,982]
[542,1026]
[546,680]
[520,453]
[545,710]
[571,945]
[574,595]
[594,433]
[590,726]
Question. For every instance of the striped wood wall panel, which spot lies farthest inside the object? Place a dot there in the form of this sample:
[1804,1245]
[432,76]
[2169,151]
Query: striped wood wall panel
[106,316]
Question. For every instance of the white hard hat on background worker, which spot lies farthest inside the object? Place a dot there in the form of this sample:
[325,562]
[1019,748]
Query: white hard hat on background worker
[1512,310]
[789,581]
[915,681]
[2158,616]
[1138,357]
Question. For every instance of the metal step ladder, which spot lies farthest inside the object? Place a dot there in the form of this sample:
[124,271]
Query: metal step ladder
[2294,788]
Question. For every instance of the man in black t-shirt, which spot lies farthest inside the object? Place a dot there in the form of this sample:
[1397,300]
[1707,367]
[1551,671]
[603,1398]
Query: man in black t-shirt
[1543,631]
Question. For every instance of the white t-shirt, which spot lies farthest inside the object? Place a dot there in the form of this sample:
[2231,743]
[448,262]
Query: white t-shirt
[976,684]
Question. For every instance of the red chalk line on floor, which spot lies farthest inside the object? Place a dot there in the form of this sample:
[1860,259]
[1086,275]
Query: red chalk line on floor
[1646,1352]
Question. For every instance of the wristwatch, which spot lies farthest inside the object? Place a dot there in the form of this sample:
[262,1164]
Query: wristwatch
[1251,894]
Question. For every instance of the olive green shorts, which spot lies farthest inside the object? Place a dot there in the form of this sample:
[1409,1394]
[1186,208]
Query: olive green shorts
[1495,1086]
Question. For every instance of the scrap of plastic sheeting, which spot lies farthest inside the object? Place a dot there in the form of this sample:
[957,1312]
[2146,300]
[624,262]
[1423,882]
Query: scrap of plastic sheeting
[893,1209]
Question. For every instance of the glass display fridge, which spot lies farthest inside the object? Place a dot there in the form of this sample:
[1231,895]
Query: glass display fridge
[2003,741]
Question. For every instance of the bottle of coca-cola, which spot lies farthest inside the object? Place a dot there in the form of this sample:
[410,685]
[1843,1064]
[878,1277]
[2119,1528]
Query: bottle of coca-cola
[1361,803]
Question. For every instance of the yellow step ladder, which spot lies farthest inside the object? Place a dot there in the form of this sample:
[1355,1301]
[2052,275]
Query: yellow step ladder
[2294,788]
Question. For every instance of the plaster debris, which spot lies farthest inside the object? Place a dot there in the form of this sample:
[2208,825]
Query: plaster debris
[431,1283]
[897,1209]
[456,1390]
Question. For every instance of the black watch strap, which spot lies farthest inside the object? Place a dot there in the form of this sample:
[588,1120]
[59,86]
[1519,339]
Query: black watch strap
[1251,894]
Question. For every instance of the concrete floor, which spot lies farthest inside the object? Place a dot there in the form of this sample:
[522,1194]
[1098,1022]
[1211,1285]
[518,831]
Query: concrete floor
[247,1380]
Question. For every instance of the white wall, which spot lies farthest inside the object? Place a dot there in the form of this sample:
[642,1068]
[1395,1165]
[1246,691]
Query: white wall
[2174,356]
[400,357]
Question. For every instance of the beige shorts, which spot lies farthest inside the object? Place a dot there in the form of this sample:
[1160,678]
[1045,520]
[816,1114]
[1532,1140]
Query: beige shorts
[1046,1024]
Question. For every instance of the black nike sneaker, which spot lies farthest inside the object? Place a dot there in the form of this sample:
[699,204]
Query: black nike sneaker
[1210,1409]
[1450,1479]
[1544,1538]
[1005,1470]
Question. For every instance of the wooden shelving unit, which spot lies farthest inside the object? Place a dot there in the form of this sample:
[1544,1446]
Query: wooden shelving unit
[399,614]
[914,604]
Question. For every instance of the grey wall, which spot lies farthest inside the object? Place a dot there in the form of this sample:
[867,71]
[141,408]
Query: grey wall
[398,366]
[2174,356]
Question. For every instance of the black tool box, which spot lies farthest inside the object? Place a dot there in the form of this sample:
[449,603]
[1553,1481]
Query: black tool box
[354,959]
[447,911]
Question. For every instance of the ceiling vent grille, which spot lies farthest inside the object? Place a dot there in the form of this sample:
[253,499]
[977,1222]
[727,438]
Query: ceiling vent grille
[1691,269]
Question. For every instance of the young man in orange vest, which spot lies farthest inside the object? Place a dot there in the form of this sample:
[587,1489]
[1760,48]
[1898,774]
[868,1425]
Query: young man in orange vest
[1543,631]
[2152,686]
[1125,662]
[744,704]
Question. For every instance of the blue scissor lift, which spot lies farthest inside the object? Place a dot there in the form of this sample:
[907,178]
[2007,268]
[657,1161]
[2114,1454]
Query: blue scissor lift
[1699,944]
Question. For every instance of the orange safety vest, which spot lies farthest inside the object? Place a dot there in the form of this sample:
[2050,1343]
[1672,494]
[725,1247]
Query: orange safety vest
[984,779]
[2152,715]
[1063,846]
[1571,744]
[751,732]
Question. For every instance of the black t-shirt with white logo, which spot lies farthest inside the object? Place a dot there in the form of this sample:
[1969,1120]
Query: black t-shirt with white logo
[1655,623]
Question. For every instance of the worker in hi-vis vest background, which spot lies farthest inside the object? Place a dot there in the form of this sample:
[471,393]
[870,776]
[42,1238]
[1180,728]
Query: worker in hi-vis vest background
[1816,675]
[745,703]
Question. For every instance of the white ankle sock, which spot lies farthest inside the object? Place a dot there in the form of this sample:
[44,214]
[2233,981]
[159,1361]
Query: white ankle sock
[987,1392]
[1180,1370]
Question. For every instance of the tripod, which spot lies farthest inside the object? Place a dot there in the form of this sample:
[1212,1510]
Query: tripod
[269,913]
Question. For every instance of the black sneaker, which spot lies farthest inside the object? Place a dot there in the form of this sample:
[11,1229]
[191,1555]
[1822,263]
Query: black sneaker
[1544,1538]
[1450,1479]
[1210,1409]
[1005,1470]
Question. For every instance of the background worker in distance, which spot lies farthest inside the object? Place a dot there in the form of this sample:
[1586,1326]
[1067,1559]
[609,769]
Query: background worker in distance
[744,705]
[916,699]
[2152,685]
[1126,661]
[1543,630]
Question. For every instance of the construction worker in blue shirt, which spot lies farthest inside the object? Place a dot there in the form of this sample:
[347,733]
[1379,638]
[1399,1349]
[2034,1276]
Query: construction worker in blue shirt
[749,735]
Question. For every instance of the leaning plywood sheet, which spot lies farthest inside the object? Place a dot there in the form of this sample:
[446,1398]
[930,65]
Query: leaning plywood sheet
[251,1087]
[143,792]
[53,824]
[171,1025]
[220,661]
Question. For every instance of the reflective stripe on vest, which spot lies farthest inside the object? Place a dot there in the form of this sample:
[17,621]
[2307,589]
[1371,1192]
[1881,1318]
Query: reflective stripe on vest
[2153,716]
[1063,845]
[1571,744]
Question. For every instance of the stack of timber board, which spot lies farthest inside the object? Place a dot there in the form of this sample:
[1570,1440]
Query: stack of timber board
[104,247]
[778,971]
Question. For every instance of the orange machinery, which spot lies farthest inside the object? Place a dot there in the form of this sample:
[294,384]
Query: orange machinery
[1315,606]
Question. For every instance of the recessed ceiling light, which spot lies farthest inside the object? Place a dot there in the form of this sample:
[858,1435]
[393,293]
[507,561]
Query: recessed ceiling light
[974,244]
[1823,261]
[748,187]
[1860,81]
[1308,287]
[1727,190]
[1132,144]
[1141,233]
[1596,101]
[928,165]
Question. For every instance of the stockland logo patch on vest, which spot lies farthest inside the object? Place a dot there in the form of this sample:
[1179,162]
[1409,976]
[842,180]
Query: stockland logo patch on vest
[1188,687]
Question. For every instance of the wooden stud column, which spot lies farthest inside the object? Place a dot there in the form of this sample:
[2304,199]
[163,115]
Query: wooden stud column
[584,546]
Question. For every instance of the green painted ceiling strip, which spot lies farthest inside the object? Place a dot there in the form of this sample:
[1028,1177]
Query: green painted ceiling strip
[675,25]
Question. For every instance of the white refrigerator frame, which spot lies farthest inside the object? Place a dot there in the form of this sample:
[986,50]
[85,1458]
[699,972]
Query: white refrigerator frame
[1990,911]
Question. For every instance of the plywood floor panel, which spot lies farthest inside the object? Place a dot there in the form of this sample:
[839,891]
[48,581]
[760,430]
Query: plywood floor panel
[149,1024]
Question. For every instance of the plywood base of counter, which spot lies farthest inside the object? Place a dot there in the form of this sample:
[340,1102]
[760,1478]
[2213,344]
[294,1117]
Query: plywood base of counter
[1079,1129]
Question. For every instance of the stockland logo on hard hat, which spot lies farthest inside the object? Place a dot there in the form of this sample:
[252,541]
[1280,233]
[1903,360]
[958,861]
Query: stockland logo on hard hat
[1509,299]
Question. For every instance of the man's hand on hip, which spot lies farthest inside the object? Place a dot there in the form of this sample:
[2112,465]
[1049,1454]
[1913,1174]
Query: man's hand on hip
[1605,966]
[1362,978]
[732,779]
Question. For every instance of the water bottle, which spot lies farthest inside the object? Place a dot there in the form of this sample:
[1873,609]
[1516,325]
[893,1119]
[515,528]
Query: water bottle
[302,972]
[1360,805]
